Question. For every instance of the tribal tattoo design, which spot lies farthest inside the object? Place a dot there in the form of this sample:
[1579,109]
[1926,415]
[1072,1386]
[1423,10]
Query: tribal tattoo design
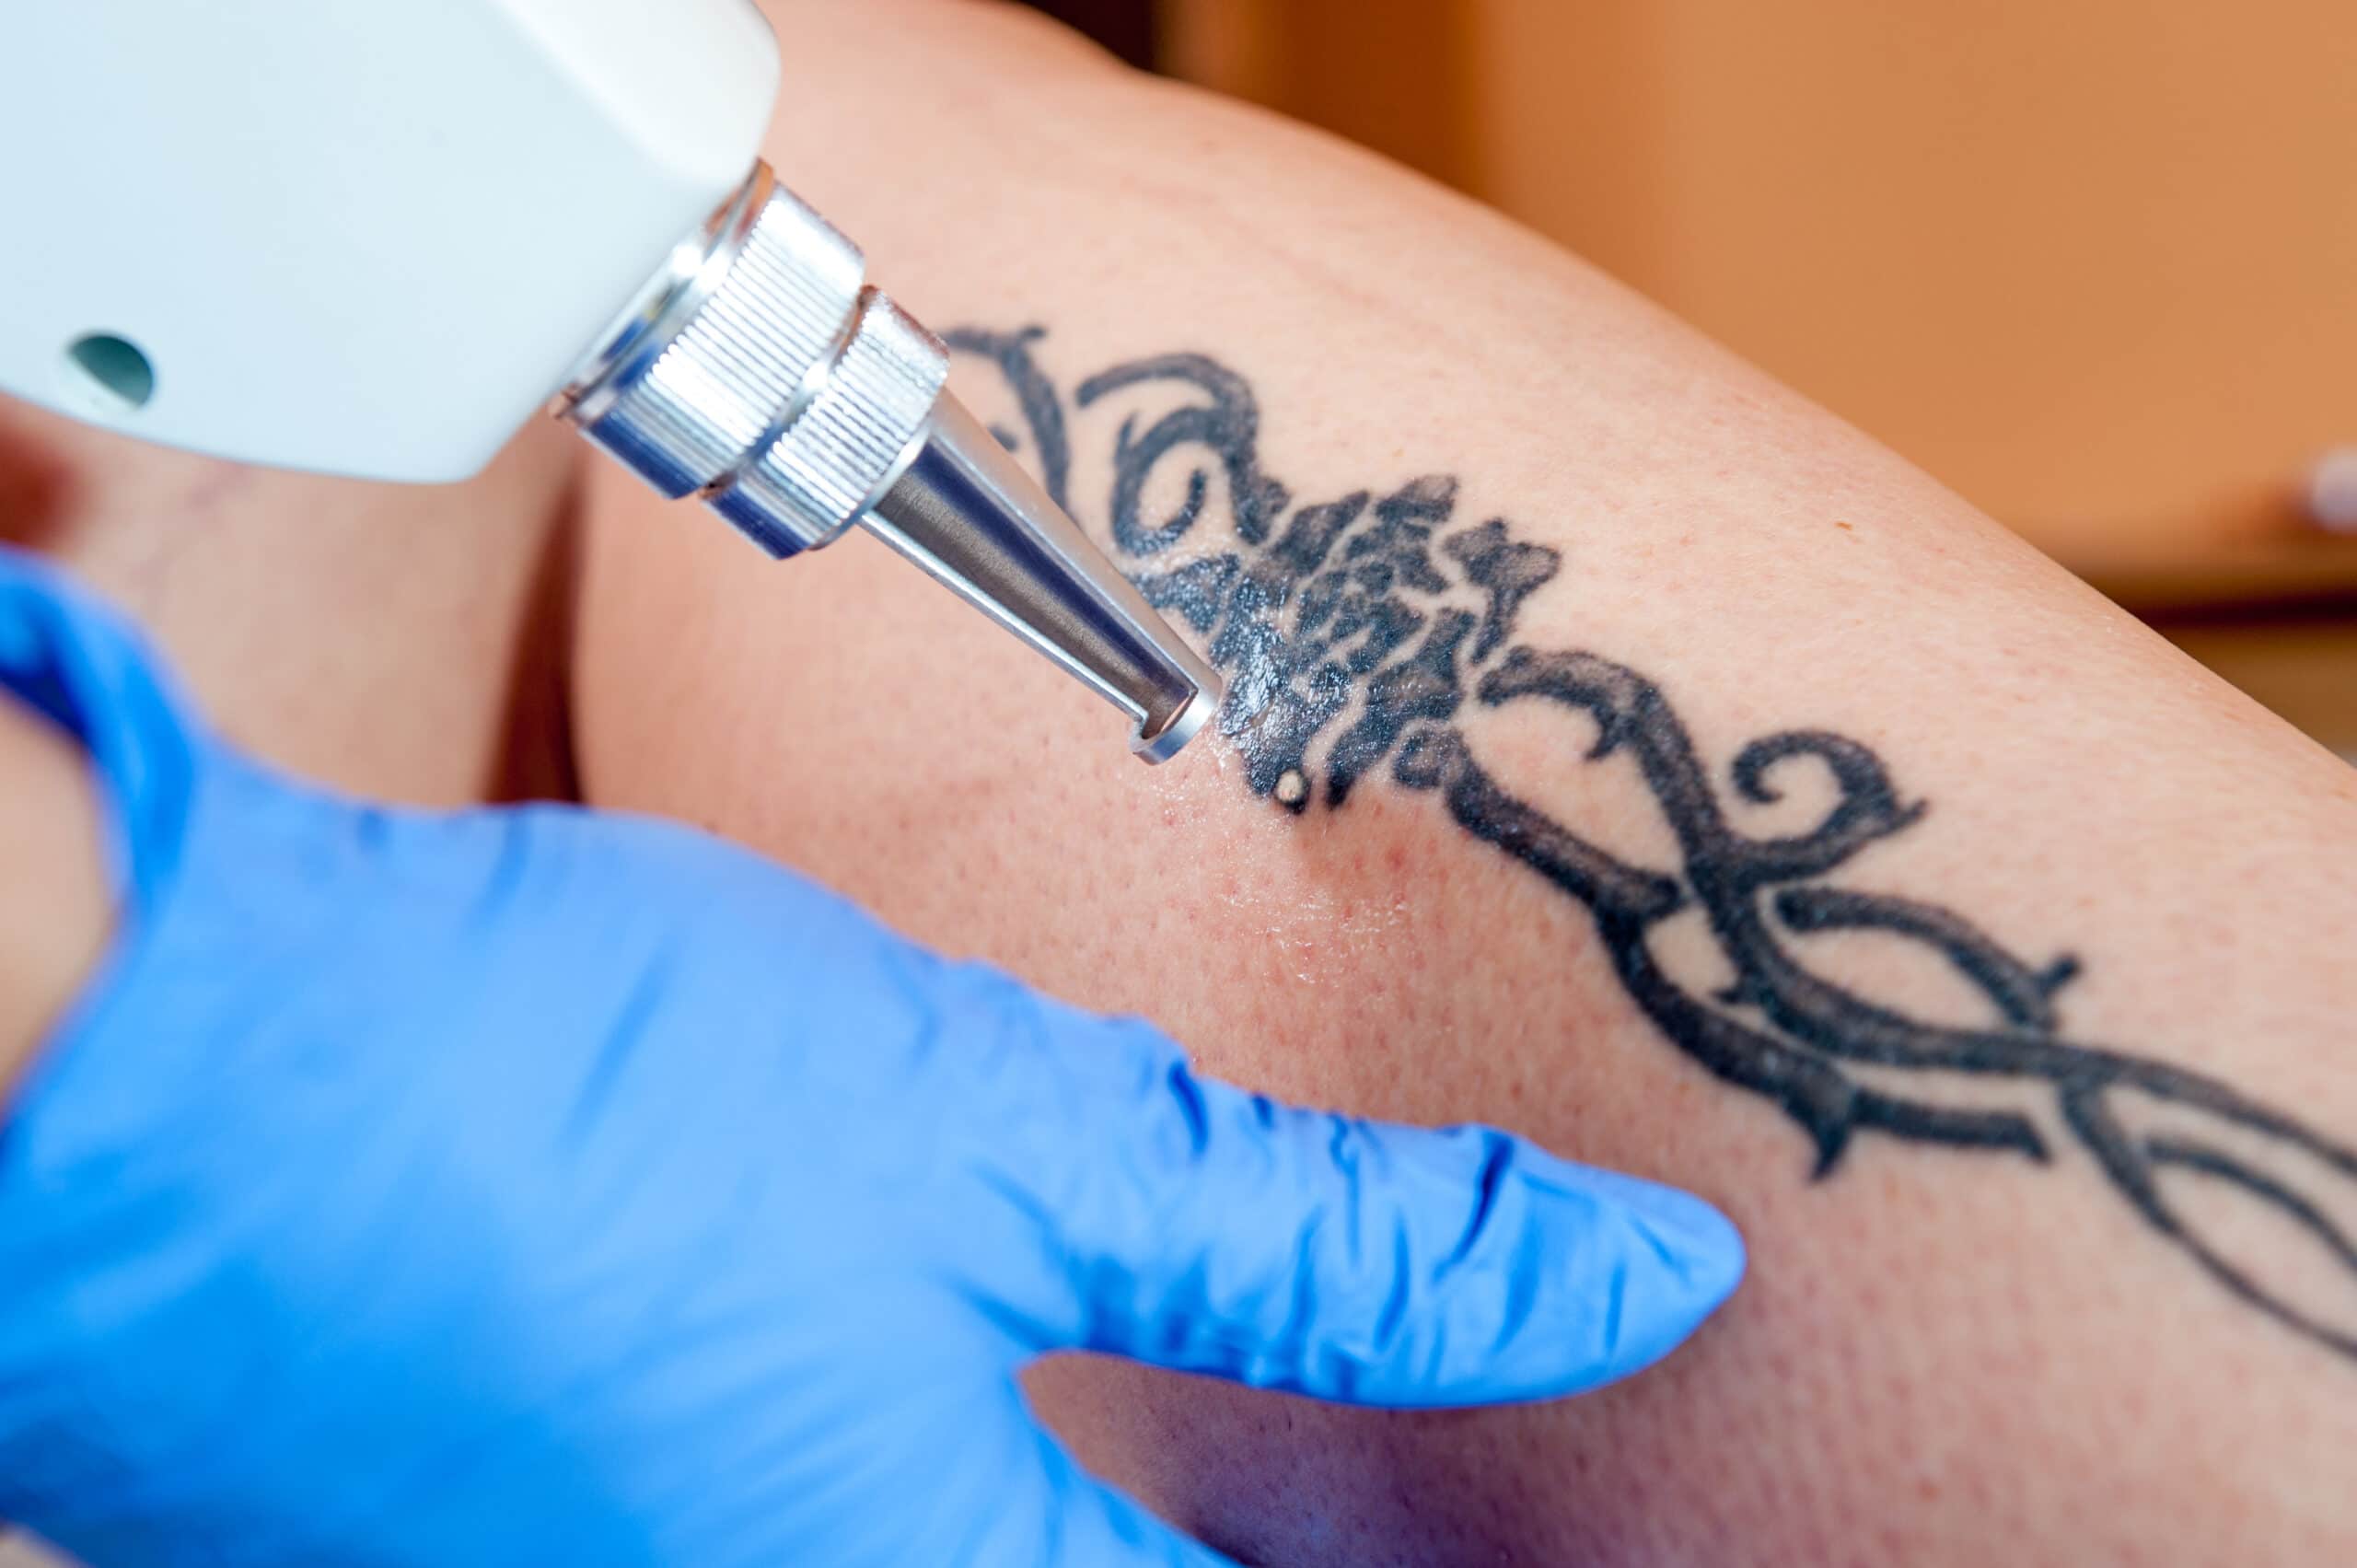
[1368,629]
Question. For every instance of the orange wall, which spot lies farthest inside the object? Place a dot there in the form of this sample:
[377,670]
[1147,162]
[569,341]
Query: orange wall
[2094,262]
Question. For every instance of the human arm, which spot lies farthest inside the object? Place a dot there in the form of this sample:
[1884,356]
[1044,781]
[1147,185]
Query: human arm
[2034,1269]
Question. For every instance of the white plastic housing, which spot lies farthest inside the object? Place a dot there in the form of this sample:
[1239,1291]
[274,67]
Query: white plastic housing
[367,238]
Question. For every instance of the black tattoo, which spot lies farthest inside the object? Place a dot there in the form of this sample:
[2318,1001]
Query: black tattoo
[1349,642]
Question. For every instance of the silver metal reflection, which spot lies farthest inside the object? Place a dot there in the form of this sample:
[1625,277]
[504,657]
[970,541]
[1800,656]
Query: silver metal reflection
[757,371]
[968,514]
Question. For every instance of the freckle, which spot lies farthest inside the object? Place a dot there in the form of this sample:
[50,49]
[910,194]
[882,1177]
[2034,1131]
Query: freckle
[1843,527]
[1292,788]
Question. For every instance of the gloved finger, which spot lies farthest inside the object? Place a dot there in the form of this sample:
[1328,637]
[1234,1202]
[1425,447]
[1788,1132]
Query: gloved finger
[1203,1228]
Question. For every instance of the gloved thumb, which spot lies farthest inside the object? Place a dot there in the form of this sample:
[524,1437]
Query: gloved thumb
[1186,1223]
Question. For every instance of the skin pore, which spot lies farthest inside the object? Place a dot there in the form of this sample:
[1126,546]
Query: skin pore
[1363,631]
[1618,749]
[1949,1349]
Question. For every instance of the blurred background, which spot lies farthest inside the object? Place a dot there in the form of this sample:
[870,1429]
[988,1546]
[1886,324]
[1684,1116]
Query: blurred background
[2091,263]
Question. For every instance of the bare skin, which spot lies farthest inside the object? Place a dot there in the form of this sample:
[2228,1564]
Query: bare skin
[395,641]
[1949,1351]
[391,640]
[48,840]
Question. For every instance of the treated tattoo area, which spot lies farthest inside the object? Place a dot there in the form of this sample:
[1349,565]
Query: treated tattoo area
[1373,630]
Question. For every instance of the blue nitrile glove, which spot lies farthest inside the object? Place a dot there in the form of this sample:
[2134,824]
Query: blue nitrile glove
[538,1186]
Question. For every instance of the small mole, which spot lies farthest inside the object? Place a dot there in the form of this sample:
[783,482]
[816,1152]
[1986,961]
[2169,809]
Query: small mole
[1292,788]
[1842,525]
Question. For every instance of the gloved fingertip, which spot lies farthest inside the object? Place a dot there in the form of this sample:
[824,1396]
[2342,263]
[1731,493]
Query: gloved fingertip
[1693,1237]
[1617,1272]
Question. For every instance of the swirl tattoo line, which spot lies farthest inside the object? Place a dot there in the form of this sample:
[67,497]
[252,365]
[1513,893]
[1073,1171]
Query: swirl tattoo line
[1356,631]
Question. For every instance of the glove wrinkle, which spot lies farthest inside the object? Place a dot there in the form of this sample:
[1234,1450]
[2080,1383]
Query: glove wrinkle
[538,1186]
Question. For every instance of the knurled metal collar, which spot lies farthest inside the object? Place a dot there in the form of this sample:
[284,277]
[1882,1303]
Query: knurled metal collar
[851,439]
[757,370]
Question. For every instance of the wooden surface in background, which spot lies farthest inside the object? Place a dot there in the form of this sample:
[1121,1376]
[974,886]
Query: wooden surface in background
[2304,667]
[1388,76]
[1125,27]
[2093,263]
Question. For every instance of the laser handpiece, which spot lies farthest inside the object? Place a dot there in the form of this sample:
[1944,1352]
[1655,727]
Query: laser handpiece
[758,371]
[371,240]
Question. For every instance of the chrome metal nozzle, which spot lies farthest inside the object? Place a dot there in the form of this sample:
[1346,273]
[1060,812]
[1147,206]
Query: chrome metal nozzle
[759,372]
[968,514]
